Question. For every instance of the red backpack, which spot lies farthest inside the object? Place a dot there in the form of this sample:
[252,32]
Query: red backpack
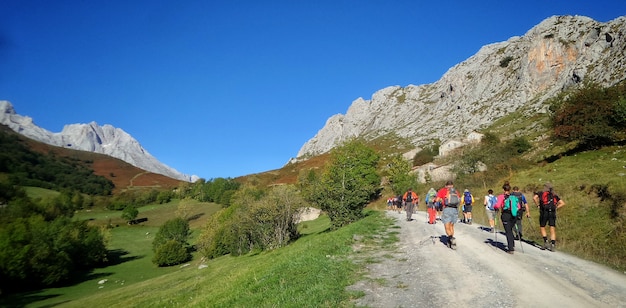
[547,201]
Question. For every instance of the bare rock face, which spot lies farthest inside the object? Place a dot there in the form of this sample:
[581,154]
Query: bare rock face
[559,53]
[92,138]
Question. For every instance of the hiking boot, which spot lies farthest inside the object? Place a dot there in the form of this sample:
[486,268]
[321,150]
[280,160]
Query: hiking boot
[452,241]
[545,246]
[510,252]
[551,247]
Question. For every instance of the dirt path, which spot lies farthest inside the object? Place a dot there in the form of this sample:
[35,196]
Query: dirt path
[423,272]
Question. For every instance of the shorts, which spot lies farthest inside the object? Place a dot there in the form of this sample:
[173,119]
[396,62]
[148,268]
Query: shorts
[450,215]
[438,206]
[491,215]
[547,217]
[467,209]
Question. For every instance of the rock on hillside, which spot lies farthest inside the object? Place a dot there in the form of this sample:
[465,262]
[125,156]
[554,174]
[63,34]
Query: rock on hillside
[559,53]
[90,137]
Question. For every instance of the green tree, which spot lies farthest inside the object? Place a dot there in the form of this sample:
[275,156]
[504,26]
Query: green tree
[130,213]
[399,175]
[348,183]
[174,230]
[171,253]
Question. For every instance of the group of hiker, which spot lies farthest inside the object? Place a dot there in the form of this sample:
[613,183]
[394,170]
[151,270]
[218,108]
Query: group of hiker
[511,204]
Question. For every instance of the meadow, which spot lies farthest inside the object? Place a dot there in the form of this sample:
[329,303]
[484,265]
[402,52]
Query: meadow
[312,271]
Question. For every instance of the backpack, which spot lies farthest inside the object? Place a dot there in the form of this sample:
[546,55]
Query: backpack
[547,201]
[452,199]
[430,198]
[511,204]
[398,200]
[491,202]
[522,208]
[467,197]
[409,196]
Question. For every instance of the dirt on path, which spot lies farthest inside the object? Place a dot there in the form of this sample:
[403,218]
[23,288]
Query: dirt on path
[423,272]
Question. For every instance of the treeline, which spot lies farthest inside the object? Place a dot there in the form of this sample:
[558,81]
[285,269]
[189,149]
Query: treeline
[218,190]
[28,168]
[40,244]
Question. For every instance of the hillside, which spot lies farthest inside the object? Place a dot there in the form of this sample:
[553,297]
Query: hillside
[123,175]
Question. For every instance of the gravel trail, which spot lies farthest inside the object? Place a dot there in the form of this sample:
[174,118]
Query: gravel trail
[421,271]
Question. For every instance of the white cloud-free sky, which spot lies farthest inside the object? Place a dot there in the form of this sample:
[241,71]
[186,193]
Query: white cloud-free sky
[230,88]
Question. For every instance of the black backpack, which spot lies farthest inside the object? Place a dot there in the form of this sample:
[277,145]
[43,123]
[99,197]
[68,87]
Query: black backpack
[409,196]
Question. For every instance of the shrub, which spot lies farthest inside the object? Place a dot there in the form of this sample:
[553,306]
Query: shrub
[592,116]
[170,253]
[505,62]
[167,253]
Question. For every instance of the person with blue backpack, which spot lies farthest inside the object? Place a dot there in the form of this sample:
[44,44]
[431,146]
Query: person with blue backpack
[508,205]
[490,202]
[468,201]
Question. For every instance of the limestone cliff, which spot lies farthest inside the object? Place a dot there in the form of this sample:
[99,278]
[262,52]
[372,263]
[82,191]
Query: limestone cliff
[559,53]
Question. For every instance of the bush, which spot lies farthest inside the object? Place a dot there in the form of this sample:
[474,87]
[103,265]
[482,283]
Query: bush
[505,62]
[170,253]
[166,253]
[592,116]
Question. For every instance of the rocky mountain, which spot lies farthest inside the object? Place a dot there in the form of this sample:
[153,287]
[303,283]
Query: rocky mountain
[91,137]
[560,53]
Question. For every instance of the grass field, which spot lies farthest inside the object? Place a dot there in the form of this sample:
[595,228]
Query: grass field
[312,271]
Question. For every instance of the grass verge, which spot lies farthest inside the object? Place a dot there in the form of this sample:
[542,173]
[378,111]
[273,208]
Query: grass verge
[314,271]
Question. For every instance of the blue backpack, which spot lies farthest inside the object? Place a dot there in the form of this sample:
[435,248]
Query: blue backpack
[467,197]
[491,202]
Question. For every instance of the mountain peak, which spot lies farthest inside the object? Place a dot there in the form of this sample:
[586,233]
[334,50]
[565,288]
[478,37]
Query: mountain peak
[91,137]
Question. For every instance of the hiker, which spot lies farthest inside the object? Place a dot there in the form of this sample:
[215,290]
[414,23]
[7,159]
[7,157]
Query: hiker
[411,199]
[548,202]
[389,203]
[467,202]
[520,215]
[431,204]
[398,203]
[490,202]
[508,205]
[450,199]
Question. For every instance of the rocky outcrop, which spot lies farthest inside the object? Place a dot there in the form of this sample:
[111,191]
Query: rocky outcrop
[93,138]
[559,53]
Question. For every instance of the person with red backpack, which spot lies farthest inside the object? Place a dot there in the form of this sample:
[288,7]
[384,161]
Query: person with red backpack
[548,202]
[451,200]
[508,205]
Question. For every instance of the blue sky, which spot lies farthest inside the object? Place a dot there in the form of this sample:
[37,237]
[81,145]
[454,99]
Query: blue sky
[230,88]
